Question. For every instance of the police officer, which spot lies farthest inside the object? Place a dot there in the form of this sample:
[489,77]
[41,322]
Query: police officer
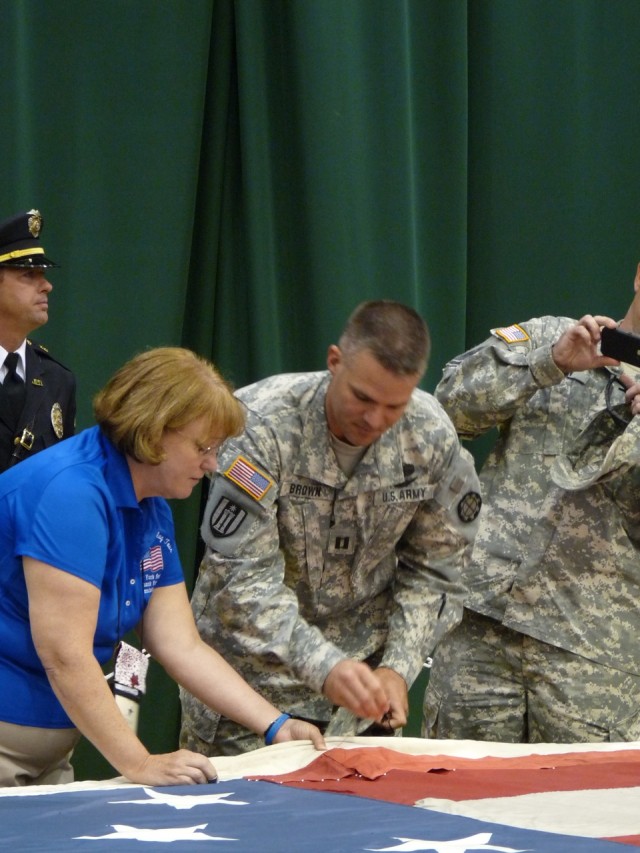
[337,527]
[37,393]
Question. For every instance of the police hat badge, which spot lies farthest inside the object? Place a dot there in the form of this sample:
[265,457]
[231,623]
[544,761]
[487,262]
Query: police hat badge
[20,242]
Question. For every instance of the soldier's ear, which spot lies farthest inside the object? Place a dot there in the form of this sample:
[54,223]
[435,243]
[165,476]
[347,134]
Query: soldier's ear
[334,358]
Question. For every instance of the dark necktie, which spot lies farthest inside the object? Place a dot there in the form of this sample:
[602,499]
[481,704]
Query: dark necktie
[13,386]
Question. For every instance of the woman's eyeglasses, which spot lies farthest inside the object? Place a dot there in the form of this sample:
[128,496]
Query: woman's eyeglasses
[201,448]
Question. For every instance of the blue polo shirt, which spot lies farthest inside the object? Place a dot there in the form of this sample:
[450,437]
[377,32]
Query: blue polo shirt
[73,506]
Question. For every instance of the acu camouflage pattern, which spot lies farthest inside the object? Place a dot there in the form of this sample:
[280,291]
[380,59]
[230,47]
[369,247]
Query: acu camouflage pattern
[557,554]
[326,567]
[493,683]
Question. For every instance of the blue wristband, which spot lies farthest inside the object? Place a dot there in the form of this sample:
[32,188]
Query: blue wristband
[275,727]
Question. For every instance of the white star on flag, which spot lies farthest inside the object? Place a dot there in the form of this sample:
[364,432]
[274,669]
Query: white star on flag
[132,833]
[480,841]
[183,801]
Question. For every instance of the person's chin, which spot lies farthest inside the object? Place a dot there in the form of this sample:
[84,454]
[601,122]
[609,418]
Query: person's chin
[363,438]
[184,491]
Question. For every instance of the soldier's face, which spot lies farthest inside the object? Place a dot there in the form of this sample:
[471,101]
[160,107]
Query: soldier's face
[24,298]
[364,399]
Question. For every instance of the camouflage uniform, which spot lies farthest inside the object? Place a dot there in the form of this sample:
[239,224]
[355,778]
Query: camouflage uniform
[547,649]
[306,567]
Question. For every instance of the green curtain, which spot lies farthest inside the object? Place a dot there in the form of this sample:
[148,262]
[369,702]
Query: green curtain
[235,176]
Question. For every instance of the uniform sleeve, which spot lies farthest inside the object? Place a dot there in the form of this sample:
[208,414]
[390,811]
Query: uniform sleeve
[485,386]
[432,555]
[241,592]
[603,452]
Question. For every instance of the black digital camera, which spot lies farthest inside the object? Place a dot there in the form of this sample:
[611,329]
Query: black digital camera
[624,346]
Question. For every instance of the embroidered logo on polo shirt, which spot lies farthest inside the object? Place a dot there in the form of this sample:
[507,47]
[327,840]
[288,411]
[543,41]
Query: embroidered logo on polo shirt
[153,560]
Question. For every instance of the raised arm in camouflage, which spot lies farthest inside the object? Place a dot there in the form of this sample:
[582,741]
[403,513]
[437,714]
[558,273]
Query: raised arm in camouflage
[547,647]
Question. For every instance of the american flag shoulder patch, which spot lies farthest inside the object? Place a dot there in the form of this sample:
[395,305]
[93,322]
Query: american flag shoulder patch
[244,474]
[514,334]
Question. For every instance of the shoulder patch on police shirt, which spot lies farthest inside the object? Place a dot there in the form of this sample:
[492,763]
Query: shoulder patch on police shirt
[514,334]
[245,475]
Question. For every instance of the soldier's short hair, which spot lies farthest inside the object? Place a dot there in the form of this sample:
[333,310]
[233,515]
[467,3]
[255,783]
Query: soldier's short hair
[394,333]
[165,388]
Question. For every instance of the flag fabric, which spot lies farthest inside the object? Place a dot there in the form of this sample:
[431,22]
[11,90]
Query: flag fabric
[255,817]
[362,794]
[602,789]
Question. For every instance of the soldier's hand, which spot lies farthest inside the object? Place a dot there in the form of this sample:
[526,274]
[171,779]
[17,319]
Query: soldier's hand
[577,347]
[396,689]
[353,685]
[632,394]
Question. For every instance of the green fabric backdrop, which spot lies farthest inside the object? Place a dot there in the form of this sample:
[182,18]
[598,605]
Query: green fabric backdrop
[237,176]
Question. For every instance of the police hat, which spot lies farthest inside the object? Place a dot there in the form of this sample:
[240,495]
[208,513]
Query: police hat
[20,242]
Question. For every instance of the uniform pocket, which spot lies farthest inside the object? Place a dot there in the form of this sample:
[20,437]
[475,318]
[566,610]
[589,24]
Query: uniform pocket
[431,711]
[626,729]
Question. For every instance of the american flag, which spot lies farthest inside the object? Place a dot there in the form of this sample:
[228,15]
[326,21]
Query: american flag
[152,560]
[512,334]
[242,816]
[583,794]
[243,473]
[372,799]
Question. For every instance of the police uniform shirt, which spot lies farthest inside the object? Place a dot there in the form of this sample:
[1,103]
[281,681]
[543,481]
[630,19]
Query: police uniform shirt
[49,411]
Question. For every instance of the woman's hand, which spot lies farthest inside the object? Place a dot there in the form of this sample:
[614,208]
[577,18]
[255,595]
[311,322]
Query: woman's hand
[300,730]
[174,768]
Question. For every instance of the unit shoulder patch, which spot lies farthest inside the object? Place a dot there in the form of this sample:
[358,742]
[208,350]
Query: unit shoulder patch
[469,507]
[226,518]
[513,334]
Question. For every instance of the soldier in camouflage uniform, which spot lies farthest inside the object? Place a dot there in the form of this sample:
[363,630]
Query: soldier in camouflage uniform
[547,649]
[336,530]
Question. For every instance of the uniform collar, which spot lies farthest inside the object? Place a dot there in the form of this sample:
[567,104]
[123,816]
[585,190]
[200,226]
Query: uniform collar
[20,367]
